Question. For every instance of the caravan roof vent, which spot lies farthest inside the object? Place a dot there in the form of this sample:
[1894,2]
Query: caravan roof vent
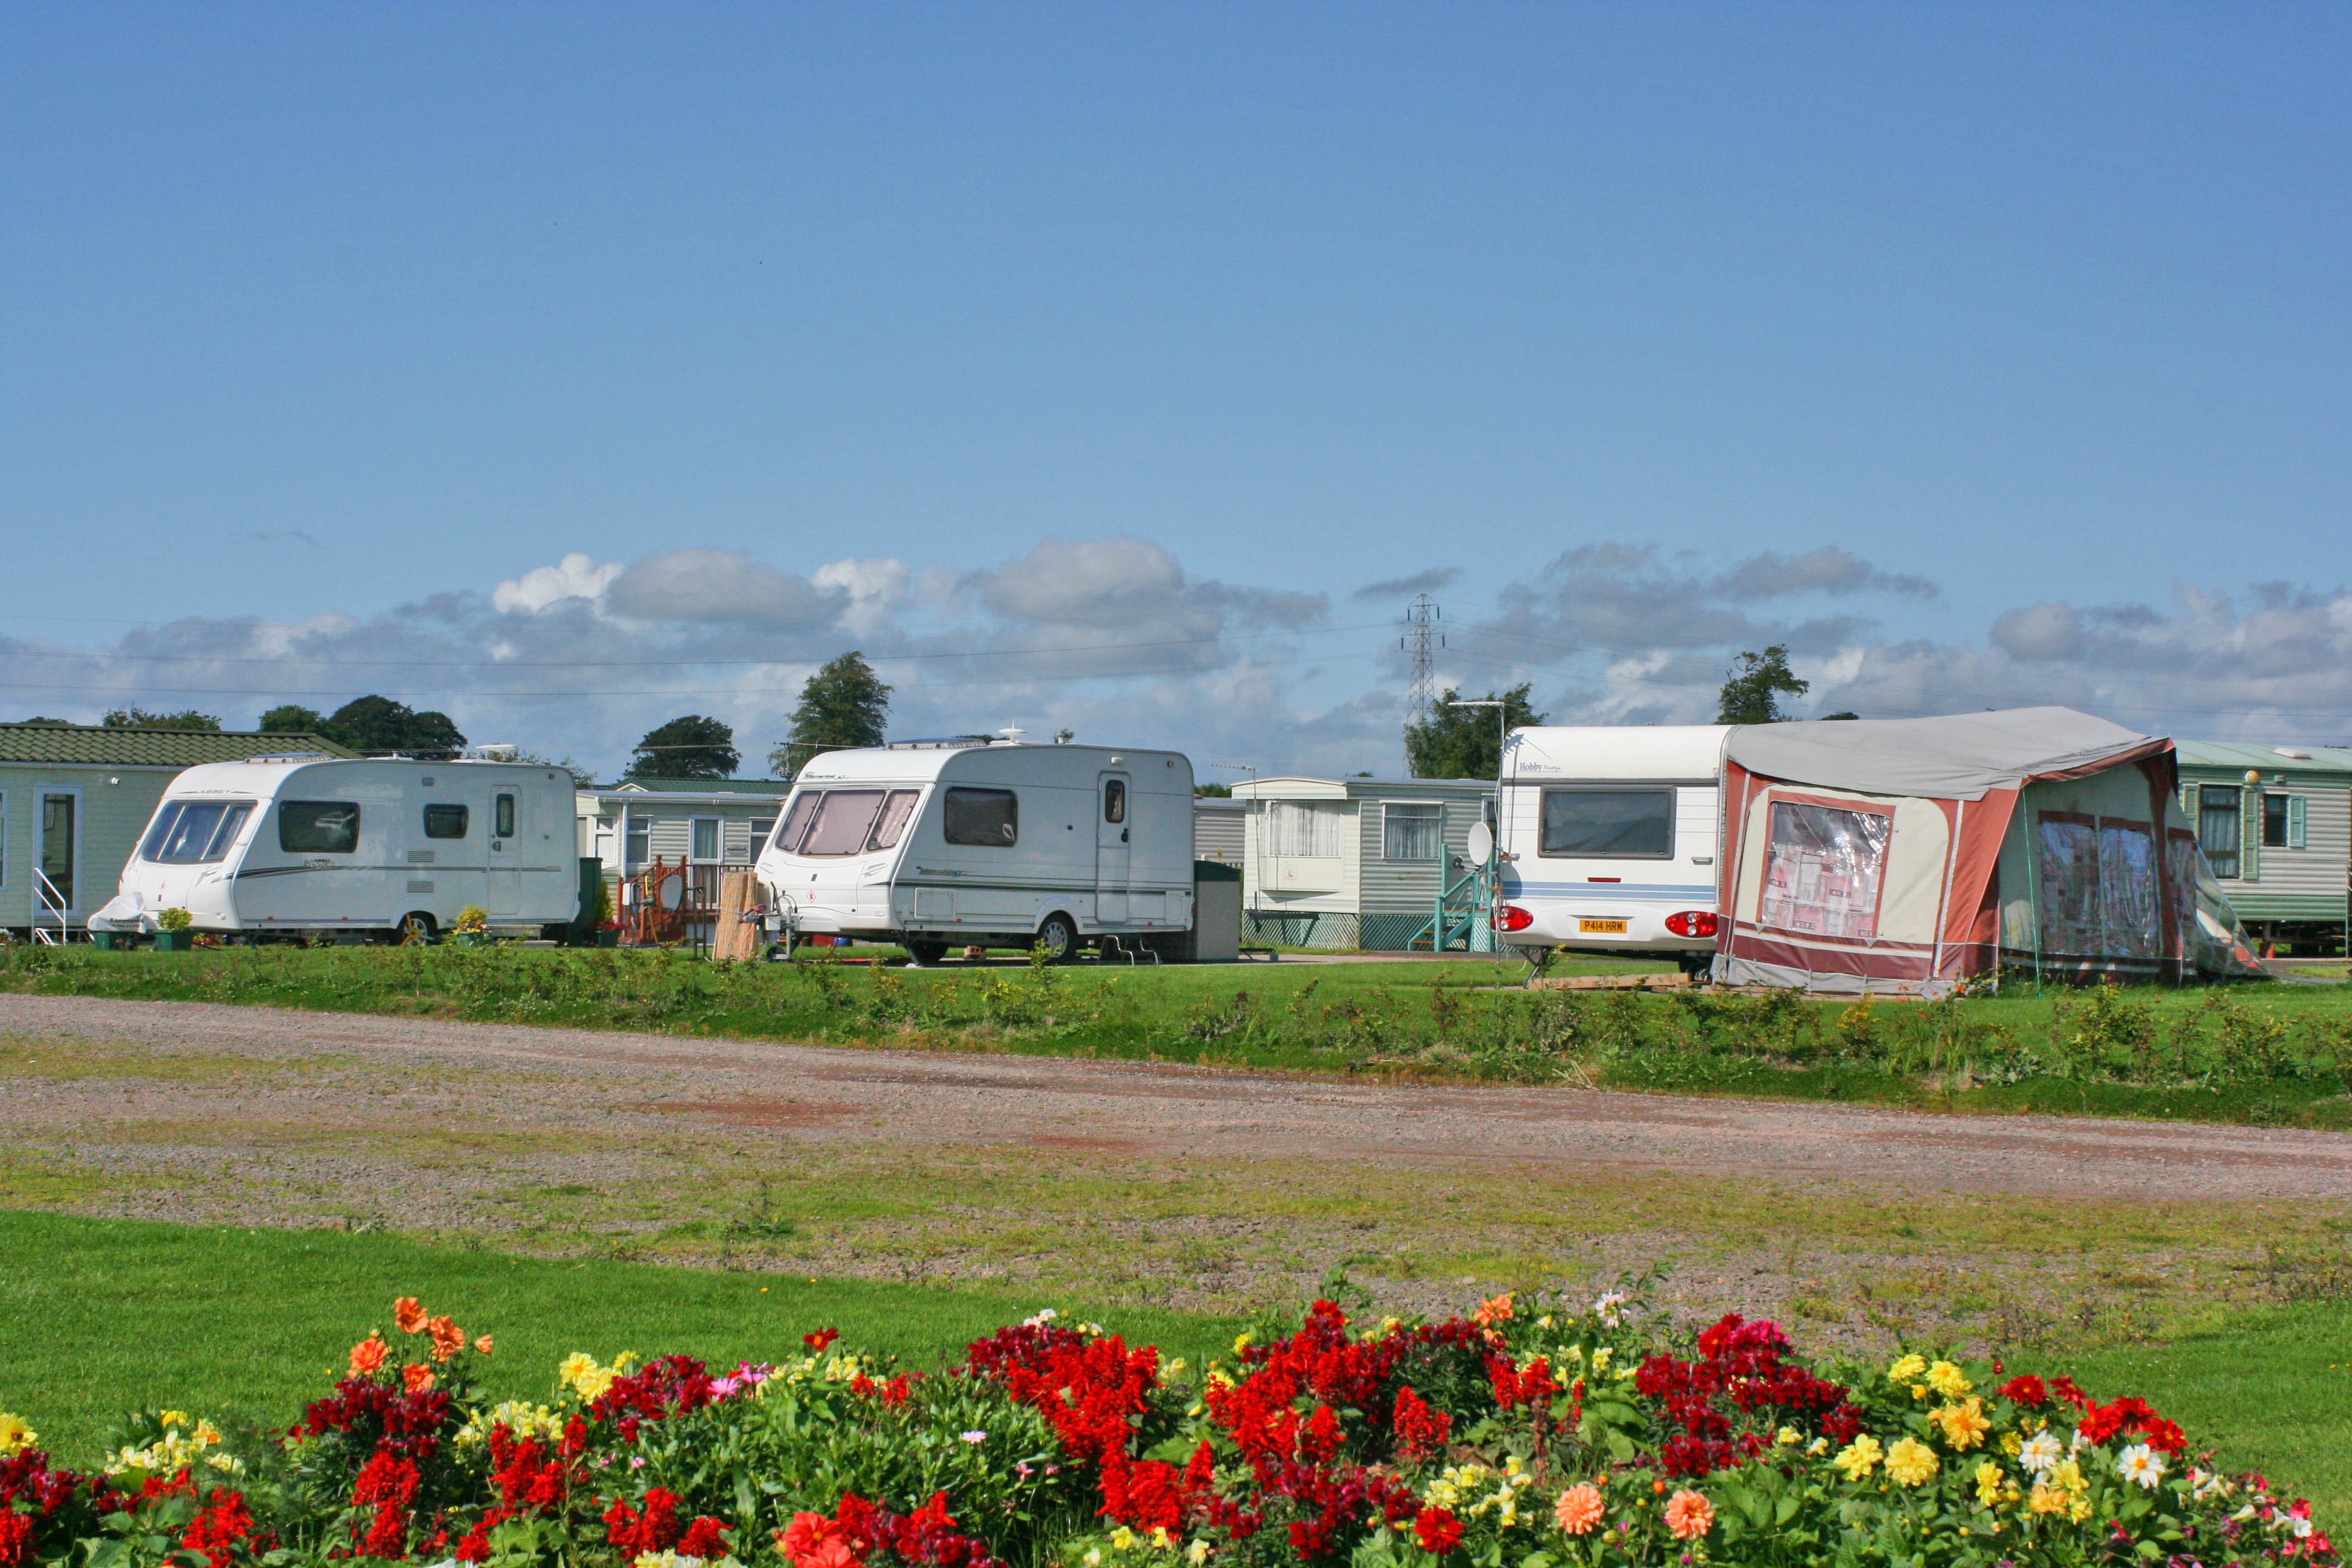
[939,743]
[1013,733]
[288,757]
[2292,753]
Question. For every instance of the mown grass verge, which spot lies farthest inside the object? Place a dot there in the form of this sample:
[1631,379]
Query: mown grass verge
[2264,1053]
[97,1317]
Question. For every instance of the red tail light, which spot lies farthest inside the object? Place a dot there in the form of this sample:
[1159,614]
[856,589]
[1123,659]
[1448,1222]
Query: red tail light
[1692,923]
[1516,918]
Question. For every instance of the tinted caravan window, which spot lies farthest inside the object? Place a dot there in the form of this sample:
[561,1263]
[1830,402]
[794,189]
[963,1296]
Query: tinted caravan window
[444,822]
[194,832]
[841,823]
[893,820]
[788,837]
[1609,824]
[318,827]
[990,817]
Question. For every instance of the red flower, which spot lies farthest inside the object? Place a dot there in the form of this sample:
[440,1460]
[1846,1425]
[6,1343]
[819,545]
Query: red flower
[655,1529]
[818,1342]
[1421,1428]
[1437,1531]
[704,1538]
[220,1527]
[2026,1389]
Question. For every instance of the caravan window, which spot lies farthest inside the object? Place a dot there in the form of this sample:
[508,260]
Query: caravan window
[318,827]
[1412,830]
[502,816]
[1821,869]
[989,816]
[1115,800]
[1608,824]
[2218,827]
[444,822]
[788,837]
[842,819]
[893,820]
[194,832]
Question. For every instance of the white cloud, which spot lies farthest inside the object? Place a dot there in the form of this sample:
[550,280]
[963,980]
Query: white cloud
[876,590]
[576,576]
[725,586]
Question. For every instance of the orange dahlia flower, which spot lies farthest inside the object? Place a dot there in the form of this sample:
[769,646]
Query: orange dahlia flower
[483,1344]
[1689,1515]
[1580,1508]
[416,1377]
[368,1355]
[448,1339]
[408,1313]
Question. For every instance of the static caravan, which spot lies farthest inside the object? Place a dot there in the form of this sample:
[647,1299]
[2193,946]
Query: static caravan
[934,843]
[303,843]
[1608,838]
[2275,824]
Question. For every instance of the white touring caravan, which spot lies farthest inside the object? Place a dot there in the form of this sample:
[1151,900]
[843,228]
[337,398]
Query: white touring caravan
[1608,838]
[974,841]
[306,843]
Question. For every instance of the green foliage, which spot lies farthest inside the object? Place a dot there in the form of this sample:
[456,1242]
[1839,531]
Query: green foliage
[1213,791]
[292,719]
[1465,743]
[689,747]
[137,718]
[843,704]
[1753,687]
[174,920]
[379,724]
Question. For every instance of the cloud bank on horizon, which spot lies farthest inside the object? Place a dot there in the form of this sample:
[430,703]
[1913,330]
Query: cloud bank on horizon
[1114,638]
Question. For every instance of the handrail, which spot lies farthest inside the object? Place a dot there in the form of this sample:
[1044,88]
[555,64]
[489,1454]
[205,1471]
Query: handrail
[1457,909]
[47,898]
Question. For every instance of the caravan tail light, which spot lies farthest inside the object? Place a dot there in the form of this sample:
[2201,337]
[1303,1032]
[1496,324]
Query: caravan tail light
[1515,919]
[1692,923]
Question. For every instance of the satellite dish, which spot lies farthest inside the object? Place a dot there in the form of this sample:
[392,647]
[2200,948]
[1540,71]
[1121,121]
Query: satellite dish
[1482,843]
[673,892]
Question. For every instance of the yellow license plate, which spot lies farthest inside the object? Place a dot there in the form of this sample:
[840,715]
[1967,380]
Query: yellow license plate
[1605,928]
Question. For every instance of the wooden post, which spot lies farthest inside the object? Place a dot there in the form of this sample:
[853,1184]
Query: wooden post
[735,938]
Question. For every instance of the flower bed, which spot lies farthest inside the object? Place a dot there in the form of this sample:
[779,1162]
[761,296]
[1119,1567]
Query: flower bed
[1528,1435]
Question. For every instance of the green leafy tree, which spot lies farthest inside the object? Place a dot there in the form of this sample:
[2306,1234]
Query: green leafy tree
[1462,743]
[1214,791]
[691,747]
[1753,687]
[378,724]
[843,704]
[292,719]
[136,718]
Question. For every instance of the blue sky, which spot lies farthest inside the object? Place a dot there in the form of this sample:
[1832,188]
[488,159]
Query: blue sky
[1984,354]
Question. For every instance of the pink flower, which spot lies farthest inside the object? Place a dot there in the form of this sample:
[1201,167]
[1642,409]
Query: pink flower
[1580,1508]
[1689,1515]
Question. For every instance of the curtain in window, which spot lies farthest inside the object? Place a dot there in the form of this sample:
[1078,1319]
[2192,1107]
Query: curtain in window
[1822,869]
[1412,832]
[1309,830]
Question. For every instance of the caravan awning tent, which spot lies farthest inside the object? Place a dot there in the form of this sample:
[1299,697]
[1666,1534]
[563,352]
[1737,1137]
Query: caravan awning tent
[1907,855]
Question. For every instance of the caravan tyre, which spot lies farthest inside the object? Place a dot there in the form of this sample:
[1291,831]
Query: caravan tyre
[1059,937]
[926,953]
[416,929]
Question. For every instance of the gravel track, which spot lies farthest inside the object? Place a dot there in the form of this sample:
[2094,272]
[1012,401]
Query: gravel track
[1167,1112]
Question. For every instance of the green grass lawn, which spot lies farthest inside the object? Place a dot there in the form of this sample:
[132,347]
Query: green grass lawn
[99,1316]
[2265,1052]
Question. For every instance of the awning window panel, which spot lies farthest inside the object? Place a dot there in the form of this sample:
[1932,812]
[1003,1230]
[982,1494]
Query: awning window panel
[1823,868]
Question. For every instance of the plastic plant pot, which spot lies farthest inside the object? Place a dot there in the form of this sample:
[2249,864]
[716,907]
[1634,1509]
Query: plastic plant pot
[175,941]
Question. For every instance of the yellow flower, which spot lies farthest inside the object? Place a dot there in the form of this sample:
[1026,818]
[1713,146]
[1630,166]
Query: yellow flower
[1988,1483]
[1910,1461]
[2010,1442]
[1600,1359]
[1242,1343]
[1859,1457]
[1123,1539]
[1197,1554]
[1904,1370]
[16,1437]
[2047,1499]
[173,1418]
[1787,1436]
[1964,1425]
[1948,1380]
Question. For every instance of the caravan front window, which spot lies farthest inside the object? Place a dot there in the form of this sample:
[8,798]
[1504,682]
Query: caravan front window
[841,822]
[318,827]
[788,837]
[893,820]
[194,832]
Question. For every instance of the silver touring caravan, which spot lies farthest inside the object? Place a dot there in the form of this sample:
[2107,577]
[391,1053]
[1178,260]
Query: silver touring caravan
[990,843]
[1609,838]
[391,847]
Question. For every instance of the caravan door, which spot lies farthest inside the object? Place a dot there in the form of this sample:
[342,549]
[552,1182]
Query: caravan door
[502,898]
[1113,849]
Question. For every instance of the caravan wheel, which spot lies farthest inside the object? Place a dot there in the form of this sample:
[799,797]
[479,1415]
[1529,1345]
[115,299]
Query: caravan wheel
[416,929]
[1059,937]
[925,953]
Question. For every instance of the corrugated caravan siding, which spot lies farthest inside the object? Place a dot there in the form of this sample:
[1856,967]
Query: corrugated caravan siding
[1395,887]
[668,836]
[1220,835]
[2306,883]
[735,840]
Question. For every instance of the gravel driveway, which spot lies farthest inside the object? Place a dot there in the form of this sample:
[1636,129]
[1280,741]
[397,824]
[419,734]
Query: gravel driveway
[1164,1112]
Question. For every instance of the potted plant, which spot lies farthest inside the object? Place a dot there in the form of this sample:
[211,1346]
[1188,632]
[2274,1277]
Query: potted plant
[472,928]
[172,932]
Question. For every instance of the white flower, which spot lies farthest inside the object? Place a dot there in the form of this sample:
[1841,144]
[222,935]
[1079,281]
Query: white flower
[2298,1528]
[1197,1554]
[1611,1306]
[2207,1483]
[2041,1453]
[976,1438]
[1040,1320]
[2140,1463]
